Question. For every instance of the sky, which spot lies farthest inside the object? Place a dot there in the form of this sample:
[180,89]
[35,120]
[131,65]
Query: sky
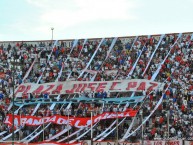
[22,20]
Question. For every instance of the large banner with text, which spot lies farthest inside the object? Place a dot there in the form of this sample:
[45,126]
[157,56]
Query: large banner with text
[163,142]
[114,143]
[78,122]
[71,87]
[38,143]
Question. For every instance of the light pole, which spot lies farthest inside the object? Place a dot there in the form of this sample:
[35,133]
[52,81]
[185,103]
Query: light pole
[43,128]
[91,115]
[141,113]
[91,128]
[168,123]
[117,121]
[52,28]
[20,112]
[68,126]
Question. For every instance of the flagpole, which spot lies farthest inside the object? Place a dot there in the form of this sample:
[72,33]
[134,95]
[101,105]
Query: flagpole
[141,113]
[91,127]
[19,124]
[117,127]
[43,127]
[168,123]
[68,126]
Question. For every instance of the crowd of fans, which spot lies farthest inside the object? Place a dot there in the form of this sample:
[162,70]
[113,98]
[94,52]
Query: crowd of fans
[48,60]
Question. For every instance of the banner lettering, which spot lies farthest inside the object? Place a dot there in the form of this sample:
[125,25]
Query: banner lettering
[57,119]
[72,87]
[163,142]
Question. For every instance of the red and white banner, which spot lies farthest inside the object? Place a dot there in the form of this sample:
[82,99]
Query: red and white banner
[70,87]
[91,71]
[113,143]
[163,142]
[188,142]
[78,122]
[39,143]
[111,72]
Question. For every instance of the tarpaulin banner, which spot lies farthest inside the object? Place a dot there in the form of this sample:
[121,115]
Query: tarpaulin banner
[78,122]
[114,143]
[111,72]
[188,142]
[38,143]
[71,87]
[163,142]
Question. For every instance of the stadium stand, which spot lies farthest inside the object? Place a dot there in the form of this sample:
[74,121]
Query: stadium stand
[162,58]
